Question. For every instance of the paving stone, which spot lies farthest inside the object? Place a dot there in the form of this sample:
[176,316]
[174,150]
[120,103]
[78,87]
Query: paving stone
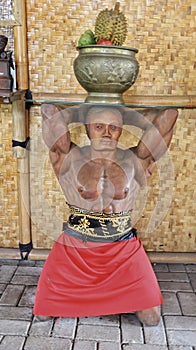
[28,296]
[15,313]
[40,263]
[41,328]
[11,295]
[169,286]
[12,342]
[98,333]
[25,280]
[100,320]
[144,347]
[160,267]
[47,343]
[13,262]
[131,329]
[28,271]
[181,337]
[6,273]
[180,323]
[85,345]
[180,347]
[192,277]
[10,327]
[109,346]
[191,267]
[172,276]
[188,303]
[171,305]
[155,335]
[102,332]
[2,287]
[177,268]
[65,327]
[27,263]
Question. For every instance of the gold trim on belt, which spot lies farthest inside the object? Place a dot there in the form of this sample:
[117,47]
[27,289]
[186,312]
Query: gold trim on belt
[99,225]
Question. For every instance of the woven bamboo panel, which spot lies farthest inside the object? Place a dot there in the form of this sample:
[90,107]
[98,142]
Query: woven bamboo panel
[174,195]
[164,212]
[163,31]
[6,10]
[9,232]
[47,202]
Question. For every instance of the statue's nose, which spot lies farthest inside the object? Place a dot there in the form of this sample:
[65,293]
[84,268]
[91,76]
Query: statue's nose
[106,131]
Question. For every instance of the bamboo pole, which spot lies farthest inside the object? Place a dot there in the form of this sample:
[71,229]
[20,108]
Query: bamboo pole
[19,127]
[155,257]
[24,201]
[20,130]
[22,155]
[20,50]
[186,101]
[165,101]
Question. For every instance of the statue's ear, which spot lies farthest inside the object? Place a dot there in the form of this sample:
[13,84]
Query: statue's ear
[87,130]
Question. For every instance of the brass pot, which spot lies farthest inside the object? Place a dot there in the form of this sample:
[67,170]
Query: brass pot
[106,72]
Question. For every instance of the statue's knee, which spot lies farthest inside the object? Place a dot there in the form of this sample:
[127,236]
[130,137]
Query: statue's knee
[43,318]
[153,320]
[150,317]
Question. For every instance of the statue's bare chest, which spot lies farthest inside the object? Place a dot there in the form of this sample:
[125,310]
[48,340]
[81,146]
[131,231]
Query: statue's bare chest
[106,179]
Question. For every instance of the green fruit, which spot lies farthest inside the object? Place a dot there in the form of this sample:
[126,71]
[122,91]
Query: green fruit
[89,32]
[87,38]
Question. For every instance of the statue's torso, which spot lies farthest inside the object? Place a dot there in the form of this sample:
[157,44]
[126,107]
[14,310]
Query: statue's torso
[99,185]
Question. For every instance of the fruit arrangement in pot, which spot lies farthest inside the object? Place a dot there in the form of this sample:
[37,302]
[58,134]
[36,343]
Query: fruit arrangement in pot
[105,68]
[110,29]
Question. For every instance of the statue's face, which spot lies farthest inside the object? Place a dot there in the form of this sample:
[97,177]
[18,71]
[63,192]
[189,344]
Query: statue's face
[104,129]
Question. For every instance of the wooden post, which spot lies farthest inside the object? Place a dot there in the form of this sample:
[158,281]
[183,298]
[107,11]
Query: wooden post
[20,129]
[20,49]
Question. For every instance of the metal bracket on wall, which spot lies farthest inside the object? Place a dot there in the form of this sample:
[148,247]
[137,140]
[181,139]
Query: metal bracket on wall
[28,97]
[25,249]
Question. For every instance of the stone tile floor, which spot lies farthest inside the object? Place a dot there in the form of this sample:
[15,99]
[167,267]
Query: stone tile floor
[20,331]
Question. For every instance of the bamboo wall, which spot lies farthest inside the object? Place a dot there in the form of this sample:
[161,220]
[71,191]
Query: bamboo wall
[164,33]
[170,198]
[162,30]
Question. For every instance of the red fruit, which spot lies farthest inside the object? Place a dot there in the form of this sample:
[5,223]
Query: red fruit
[104,42]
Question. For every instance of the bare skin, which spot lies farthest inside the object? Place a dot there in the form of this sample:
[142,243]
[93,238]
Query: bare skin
[101,177]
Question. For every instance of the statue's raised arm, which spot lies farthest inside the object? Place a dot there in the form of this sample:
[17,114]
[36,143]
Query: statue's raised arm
[56,134]
[157,126]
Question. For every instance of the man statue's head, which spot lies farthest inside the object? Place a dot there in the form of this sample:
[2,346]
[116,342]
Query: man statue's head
[104,127]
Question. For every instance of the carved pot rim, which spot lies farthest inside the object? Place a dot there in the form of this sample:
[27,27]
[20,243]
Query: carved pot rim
[106,48]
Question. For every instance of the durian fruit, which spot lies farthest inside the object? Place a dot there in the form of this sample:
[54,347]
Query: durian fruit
[111,25]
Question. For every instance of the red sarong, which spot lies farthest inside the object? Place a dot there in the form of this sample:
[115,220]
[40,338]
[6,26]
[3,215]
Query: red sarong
[91,279]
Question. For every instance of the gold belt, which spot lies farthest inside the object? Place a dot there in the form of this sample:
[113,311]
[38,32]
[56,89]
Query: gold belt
[98,226]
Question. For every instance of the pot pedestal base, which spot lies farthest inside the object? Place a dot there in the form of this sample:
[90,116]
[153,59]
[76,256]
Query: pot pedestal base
[100,97]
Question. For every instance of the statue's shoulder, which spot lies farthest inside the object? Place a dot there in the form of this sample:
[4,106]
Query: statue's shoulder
[79,152]
[125,154]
